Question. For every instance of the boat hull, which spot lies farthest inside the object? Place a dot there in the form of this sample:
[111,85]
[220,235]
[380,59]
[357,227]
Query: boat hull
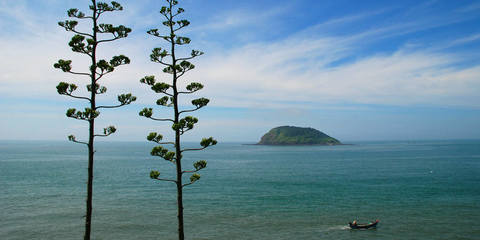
[363,226]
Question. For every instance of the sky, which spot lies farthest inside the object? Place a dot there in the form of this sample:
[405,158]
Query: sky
[356,70]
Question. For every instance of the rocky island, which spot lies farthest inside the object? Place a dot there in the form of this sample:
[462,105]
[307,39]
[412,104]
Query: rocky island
[289,135]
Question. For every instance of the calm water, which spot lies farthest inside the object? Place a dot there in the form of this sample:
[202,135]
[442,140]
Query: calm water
[419,190]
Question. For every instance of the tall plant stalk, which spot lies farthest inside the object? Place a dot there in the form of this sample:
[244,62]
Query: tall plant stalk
[176,67]
[87,44]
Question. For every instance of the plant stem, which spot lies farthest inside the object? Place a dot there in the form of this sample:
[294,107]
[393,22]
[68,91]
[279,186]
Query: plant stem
[91,132]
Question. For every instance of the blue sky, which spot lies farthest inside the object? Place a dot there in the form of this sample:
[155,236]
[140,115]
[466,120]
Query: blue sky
[357,70]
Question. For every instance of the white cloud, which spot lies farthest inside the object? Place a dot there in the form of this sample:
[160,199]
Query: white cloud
[297,69]
[310,69]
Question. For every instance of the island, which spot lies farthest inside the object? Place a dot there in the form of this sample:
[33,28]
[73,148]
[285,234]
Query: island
[290,135]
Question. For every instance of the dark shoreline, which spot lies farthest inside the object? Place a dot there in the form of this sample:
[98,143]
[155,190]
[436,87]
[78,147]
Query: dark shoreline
[284,145]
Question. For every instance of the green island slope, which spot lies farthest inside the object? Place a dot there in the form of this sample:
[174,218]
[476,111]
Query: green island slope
[289,135]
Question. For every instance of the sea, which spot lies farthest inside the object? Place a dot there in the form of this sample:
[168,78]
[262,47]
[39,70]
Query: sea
[417,189]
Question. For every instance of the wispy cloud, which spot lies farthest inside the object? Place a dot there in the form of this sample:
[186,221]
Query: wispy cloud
[467,39]
[337,23]
[254,76]
[469,8]
[308,68]
[240,18]
[16,15]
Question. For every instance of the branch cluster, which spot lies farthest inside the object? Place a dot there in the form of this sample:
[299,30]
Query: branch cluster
[199,165]
[206,142]
[124,99]
[185,124]
[164,153]
[66,66]
[102,7]
[193,87]
[148,112]
[117,32]
[177,67]
[86,115]
[67,89]
[156,137]
[73,139]
[86,43]
[159,87]
[73,12]
[64,88]
[158,54]
[198,103]
[97,89]
[107,131]
[107,67]
[156,174]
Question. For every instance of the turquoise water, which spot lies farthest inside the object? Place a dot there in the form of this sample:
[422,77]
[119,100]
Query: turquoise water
[418,190]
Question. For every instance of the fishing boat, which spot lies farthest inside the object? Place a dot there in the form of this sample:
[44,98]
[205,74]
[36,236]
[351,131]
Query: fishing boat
[355,225]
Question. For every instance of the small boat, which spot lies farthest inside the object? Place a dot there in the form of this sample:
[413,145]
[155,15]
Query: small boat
[363,226]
